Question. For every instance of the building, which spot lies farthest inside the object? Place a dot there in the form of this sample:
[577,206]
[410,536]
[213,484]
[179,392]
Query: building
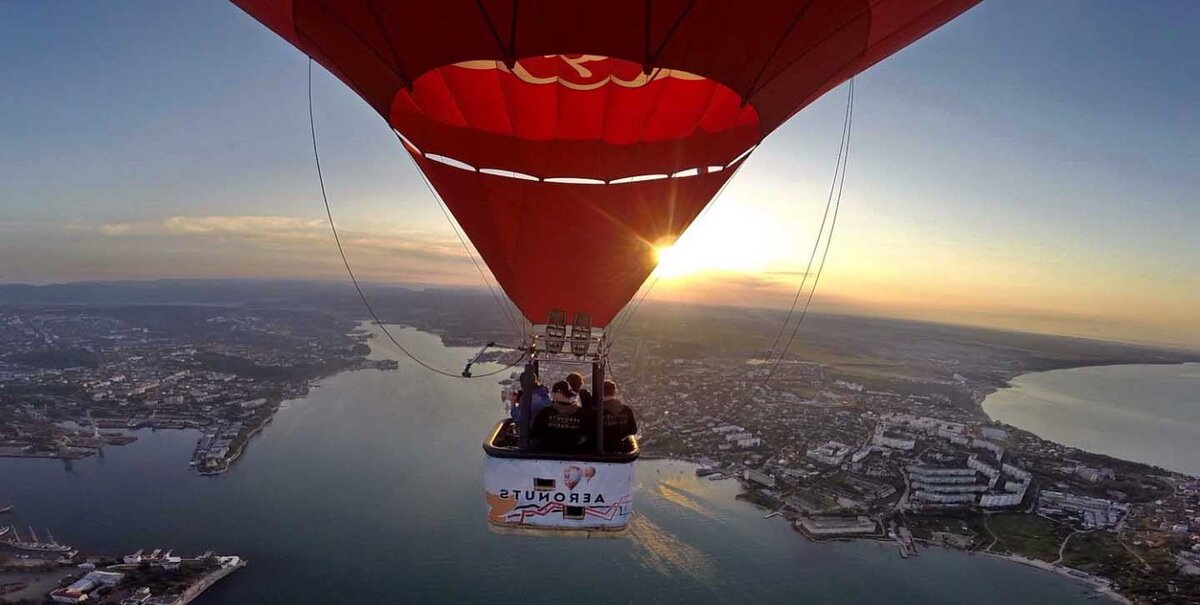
[984,468]
[944,486]
[1096,513]
[139,597]
[1013,471]
[759,477]
[78,591]
[942,473]
[836,526]
[983,444]
[861,455]
[993,433]
[968,498]
[1095,475]
[831,453]
[1001,500]
[950,488]
[896,442]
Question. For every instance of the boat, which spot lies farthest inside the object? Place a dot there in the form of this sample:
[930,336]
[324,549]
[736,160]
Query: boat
[6,509]
[16,543]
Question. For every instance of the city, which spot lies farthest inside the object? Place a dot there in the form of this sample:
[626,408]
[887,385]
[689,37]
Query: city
[859,435]
[894,445]
[69,375]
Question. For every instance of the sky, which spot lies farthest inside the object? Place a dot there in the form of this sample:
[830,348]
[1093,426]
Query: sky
[1030,166]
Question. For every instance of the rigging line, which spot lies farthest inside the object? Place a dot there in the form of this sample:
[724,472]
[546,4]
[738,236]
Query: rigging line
[828,240]
[633,311]
[778,47]
[312,127]
[671,32]
[618,322]
[514,323]
[817,242]
[844,153]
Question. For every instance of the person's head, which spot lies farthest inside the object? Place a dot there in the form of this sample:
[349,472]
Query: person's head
[575,379]
[514,396]
[610,389]
[561,392]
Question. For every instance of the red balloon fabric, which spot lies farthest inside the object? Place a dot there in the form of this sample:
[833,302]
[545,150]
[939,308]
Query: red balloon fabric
[570,137]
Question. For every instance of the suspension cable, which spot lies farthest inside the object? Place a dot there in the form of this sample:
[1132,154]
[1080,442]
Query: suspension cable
[346,262]
[839,180]
[837,167]
[514,323]
[828,238]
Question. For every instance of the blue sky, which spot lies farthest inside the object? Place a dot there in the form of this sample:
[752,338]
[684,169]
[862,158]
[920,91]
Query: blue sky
[1032,165]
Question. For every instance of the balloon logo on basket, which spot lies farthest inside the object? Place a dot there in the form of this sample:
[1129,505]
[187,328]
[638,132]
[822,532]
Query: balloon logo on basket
[589,472]
[571,476]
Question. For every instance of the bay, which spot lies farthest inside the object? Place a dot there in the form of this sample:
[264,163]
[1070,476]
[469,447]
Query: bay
[369,490]
[1143,413]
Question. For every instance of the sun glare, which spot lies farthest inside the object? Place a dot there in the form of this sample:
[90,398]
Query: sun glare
[669,262]
[733,242]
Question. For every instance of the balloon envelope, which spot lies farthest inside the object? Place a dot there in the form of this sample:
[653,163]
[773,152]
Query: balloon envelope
[570,138]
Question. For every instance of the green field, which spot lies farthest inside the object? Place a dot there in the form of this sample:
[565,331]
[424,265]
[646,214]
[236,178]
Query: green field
[1028,535]
[923,527]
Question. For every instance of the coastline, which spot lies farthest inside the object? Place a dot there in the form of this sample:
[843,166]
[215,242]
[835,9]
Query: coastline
[1126,460]
[1102,586]
[1008,381]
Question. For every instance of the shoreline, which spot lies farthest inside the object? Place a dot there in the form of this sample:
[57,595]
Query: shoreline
[1101,585]
[1150,465]
[1008,382]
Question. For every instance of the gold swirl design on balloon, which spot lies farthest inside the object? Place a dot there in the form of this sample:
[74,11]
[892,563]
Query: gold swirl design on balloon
[579,64]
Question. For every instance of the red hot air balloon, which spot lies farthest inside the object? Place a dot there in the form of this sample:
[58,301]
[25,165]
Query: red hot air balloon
[569,138]
[547,156]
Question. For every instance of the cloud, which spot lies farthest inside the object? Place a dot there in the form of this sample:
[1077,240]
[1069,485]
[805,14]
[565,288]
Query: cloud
[297,245]
[281,232]
[787,273]
[241,225]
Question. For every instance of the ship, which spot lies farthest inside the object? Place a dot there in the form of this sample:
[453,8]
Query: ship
[12,539]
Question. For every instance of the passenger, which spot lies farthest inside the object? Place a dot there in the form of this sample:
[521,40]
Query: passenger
[575,379]
[539,400]
[512,403]
[562,427]
[619,422]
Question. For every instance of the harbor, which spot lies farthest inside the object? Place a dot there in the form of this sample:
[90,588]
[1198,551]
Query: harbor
[36,569]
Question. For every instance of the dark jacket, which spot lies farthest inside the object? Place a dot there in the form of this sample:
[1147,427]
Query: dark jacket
[618,425]
[555,431]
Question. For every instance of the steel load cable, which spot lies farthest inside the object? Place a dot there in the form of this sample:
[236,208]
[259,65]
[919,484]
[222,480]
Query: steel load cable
[838,183]
[828,238]
[514,323]
[839,166]
[350,271]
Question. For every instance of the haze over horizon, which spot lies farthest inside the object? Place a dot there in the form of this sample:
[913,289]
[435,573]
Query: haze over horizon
[1030,166]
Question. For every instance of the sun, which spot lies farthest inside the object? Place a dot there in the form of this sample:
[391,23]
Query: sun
[709,250]
[671,263]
